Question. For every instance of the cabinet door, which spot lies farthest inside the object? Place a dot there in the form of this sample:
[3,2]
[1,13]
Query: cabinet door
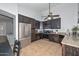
[20,18]
[33,37]
[37,36]
[47,24]
[44,25]
[54,37]
[37,24]
[70,51]
[52,24]
[56,23]
[24,19]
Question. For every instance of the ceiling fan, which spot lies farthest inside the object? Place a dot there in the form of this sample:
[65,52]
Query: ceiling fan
[50,16]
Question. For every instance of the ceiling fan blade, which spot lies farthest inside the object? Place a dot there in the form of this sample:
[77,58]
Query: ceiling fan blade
[52,16]
[45,18]
[55,15]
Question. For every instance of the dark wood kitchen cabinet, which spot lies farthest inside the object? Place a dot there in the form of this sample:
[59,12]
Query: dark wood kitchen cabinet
[33,37]
[39,36]
[33,31]
[47,24]
[52,24]
[37,24]
[24,19]
[70,50]
[34,24]
[56,38]
[56,23]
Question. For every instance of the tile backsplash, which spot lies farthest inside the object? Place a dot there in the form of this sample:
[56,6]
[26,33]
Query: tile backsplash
[52,30]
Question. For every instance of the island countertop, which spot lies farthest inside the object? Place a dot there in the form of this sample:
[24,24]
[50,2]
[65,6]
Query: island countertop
[71,41]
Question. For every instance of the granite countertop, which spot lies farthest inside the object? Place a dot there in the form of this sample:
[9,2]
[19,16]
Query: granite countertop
[71,41]
[59,33]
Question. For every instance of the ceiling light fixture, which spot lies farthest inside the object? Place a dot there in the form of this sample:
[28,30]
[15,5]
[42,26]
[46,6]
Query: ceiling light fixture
[50,16]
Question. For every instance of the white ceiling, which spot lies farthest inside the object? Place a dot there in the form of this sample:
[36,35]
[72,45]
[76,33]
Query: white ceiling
[38,7]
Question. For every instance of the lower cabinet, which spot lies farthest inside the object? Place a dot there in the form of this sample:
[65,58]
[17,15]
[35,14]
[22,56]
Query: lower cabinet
[56,38]
[39,36]
[69,50]
[52,37]
[33,37]
[36,36]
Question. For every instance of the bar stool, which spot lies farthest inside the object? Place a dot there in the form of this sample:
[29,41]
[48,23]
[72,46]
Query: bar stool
[16,49]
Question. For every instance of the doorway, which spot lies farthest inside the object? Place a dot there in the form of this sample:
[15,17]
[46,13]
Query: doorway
[7,33]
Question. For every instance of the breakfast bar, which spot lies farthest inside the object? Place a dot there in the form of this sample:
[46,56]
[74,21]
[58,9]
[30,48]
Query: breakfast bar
[70,46]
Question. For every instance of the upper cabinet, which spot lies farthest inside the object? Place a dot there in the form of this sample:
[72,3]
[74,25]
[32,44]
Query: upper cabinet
[56,23]
[47,24]
[37,24]
[52,24]
[25,19]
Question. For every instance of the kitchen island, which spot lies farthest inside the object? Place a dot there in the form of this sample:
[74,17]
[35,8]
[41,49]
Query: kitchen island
[70,45]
